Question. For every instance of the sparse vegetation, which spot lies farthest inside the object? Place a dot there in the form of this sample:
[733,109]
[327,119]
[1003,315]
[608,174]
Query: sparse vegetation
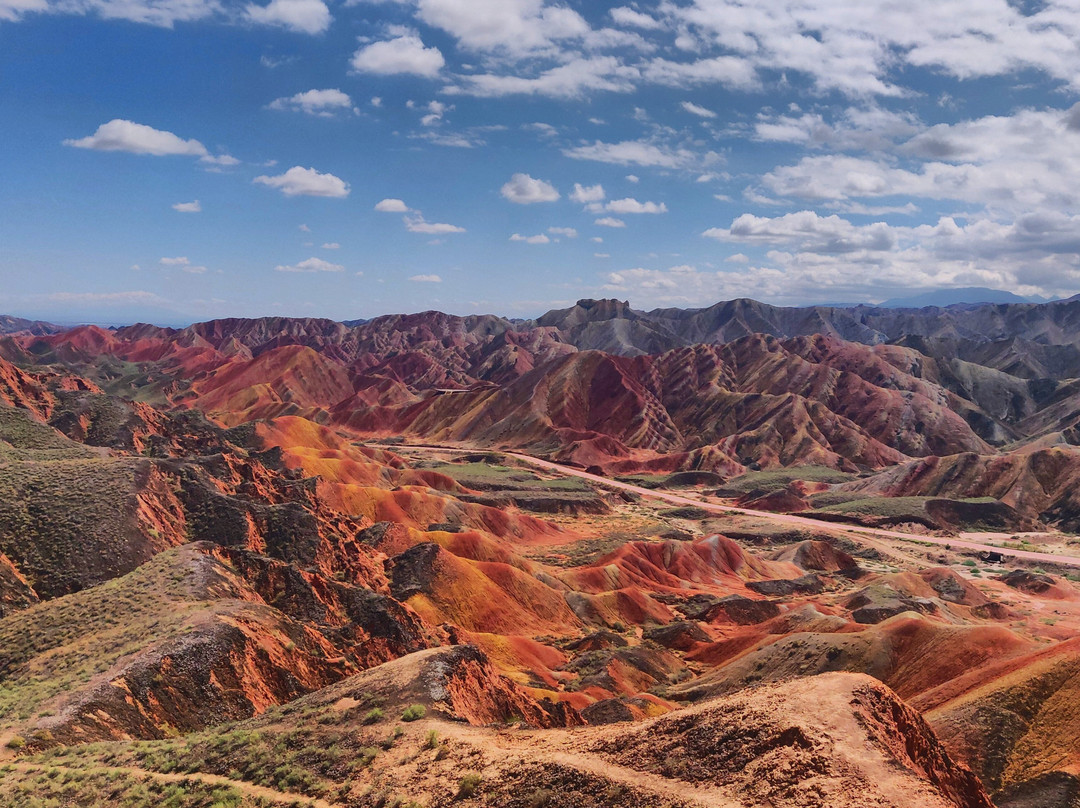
[414,712]
[374,716]
[469,785]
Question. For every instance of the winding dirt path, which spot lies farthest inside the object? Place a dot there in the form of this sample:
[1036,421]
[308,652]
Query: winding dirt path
[248,789]
[798,521]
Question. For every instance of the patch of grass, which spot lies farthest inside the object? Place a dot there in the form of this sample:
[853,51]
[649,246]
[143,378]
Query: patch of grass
[494,477]
[889,507]
[469,785]
[102,786]
[686,512]
[56,646]
[373,716]
[414,712]
[780,478]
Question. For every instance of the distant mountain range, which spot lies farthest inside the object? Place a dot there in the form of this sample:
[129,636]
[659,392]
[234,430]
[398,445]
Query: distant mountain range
[970,295]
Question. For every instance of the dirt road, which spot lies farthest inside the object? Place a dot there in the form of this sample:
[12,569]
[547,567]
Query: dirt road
[797,521]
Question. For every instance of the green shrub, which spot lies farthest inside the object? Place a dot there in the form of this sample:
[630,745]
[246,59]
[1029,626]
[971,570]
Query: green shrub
[374,716]
[432,740]
[414,712]
[469,785]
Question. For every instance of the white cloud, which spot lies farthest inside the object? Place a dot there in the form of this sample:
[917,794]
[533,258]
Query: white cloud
[416,224]
[310,265]
[162,13]
[634,152]
[734,72]
[567,232]
[188,207]
[597,240]
[175,262]
[425,279]
[610,221]
[435,110]
[525,190]
[601,255]
[323,103]
[304,16]
[12,10]
[391,206]
[853,48]
[305,229]
[515,27]
[571,79]
[634,178]
[694,109]
[544,130]
[298,181]
[809,232]
[539,239]
[403,54]
[195,270]
[583,194]
[628,205]
[219,160]
[137,138]
[634,19]
[331,245]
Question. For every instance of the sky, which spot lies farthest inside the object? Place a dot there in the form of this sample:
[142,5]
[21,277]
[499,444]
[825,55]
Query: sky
[179,160]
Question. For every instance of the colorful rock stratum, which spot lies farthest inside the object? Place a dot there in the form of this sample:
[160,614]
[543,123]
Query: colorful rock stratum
[739,556]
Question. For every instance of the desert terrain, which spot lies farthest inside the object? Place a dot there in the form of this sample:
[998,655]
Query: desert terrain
[738,556]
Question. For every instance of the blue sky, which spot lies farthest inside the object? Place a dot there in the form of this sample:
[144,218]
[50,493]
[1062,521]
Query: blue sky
[178,160]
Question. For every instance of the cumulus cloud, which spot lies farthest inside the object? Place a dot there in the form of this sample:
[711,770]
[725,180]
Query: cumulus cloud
[809,232]
[425,279]
[331,245]
[572,78]
[538,239]
[162,13]
[137,138]
[852,49]
[175,262]
[304,16]
[516,27]
[298,181]
[405,54]
[567,232]
[634,19]
[219,160]
[188,207]
[610,221]
[694,109]
[391,206]
[628,205]
[585,194]
[634,152]
[417,224]
[310,265]
[323,103]
[525,190]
